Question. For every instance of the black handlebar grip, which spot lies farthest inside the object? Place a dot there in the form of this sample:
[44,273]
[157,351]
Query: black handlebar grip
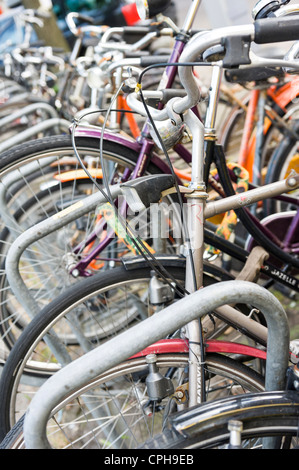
[136,29]
[153,60]
[85,19]
[132,34]
[270,30]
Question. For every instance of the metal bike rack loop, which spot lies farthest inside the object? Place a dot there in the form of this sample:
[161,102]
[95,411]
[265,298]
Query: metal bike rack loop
[39,231]
[154,328]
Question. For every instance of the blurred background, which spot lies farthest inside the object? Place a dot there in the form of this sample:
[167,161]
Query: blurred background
[211,14]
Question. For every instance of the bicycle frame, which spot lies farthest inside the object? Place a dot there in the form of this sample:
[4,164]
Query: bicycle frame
[144,144]
[282,95]
[213,152]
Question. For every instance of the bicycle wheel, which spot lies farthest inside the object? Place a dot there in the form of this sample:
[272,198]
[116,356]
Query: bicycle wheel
[116,410]
[262,415]
[77,321]
[33,196]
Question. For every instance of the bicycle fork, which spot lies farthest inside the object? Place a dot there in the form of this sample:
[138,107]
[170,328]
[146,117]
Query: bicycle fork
[195,206]
[196,202]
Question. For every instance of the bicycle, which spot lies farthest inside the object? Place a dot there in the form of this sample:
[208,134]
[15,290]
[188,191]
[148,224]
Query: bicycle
[78,267]
[82,266]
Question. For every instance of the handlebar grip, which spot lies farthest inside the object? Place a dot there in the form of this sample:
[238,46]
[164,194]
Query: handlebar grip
[270,30]
[169,93]
[136,29]
[135,33]
[153,60]
[85,19]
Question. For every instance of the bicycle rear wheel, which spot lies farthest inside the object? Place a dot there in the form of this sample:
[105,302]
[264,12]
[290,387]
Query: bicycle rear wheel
[284,160]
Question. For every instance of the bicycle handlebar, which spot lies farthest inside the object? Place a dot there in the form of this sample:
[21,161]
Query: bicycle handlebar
[276,30]
[263,31]
[123,46]
[70,21]
[153,60]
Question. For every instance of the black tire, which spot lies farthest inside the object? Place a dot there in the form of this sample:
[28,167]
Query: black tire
[262,415]
[94,301]
[284,159]
[36,148]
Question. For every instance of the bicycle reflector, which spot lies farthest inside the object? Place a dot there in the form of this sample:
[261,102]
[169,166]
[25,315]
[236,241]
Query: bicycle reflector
[150,8]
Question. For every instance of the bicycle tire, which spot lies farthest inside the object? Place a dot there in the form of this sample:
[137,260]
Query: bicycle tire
[263,415]
[216,364]
[106,302]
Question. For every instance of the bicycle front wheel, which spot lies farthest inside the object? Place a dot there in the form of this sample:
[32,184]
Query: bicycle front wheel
[76,322]
[114,410]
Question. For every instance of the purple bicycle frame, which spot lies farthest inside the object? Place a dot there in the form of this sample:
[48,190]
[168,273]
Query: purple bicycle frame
[144,145]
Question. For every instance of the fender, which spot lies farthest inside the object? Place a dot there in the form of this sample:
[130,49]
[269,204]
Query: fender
[96,132]
[169,346]
[285,94]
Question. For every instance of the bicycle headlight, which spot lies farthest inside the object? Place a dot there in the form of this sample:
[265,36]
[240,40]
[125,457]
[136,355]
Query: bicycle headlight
[149,8]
